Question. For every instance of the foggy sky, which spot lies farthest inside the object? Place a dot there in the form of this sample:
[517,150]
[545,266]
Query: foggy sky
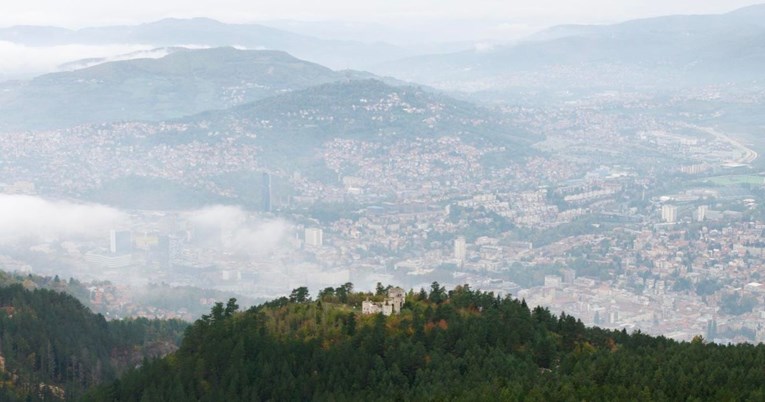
[80,13]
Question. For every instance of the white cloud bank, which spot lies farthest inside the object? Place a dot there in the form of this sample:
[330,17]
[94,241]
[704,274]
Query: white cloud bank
[241,232]
[25,217]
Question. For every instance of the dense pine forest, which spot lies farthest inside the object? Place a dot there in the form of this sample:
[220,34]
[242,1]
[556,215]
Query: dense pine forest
[54,348]
[457,345]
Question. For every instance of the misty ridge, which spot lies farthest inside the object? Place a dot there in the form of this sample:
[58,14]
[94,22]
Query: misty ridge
[698,45]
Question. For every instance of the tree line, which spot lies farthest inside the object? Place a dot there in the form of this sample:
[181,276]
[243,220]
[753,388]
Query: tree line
[458,344]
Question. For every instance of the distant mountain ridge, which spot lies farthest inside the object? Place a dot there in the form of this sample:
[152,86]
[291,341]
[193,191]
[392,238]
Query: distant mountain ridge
[207,32]
[743,21]
[182,83]
[649,53]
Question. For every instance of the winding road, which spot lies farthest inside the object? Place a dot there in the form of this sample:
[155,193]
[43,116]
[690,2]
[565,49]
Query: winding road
[747,155]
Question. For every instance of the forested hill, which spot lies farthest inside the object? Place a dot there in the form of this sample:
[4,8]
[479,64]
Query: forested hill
[457,345]
[54,348]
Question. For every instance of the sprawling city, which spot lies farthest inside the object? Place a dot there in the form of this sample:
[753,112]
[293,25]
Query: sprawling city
[625,221]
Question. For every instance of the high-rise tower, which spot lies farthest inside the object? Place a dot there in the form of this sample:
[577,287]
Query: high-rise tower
[669,213]
[120,242]
[460,249]
[266,192]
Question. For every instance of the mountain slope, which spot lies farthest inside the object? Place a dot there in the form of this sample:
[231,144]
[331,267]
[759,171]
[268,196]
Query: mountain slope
[296,124]
[53,348]
[182,83]
[207,32]
[650,53]
[220,155]
[460,345]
